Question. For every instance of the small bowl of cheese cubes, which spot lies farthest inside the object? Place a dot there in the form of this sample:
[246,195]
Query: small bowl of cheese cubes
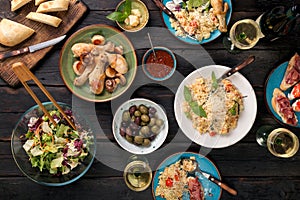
[131,15]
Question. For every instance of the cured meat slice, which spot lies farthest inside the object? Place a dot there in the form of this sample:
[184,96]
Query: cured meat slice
[283,108]
[292,73]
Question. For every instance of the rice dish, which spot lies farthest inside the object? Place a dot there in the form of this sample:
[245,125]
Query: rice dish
[173,182]
[197,22]
[222,107]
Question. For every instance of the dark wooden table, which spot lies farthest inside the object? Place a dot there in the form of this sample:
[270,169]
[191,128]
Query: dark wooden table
[245,166]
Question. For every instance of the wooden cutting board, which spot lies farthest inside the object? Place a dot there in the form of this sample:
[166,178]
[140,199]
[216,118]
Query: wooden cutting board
[42,33]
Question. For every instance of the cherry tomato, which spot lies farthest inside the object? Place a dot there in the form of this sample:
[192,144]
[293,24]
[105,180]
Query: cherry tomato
[169,182]
[176,177]
[213,133]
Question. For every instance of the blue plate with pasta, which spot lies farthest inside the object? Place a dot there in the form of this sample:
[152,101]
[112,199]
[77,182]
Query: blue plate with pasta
[213,35]
[211,190]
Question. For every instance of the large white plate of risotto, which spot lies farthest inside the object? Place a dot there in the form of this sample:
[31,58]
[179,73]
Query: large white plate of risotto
[212,113]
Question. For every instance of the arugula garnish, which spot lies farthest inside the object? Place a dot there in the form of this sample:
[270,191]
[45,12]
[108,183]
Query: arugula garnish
[234,110]
[197,109]
[122,14]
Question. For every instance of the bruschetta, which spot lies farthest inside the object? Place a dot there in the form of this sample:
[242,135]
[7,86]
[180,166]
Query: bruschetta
[292,73]
[283,108]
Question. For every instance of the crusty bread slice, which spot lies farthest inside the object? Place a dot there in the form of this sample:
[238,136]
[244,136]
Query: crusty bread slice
[284,85]
[276,93]
[16,4]
[38,2]
[13,33]
[44,18]
[53,6]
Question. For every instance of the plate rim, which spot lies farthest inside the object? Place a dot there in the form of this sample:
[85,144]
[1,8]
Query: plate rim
[219,145]
[149,150]
[270,109]
[100,26]
[198,42]
[199,155]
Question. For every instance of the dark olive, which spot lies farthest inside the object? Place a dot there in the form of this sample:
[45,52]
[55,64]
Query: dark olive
[137,120]
[135,132]
[126,116]
[145,130]
[137,113]
[143,109]
[159,122]
[129,138]
[145,118]
[155,129]
[132,109]
[146,142]
[152,110]
[122,131]
[138,139]
[134,126]
[152,137]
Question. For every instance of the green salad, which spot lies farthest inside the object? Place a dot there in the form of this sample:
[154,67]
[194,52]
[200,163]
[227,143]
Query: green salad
[56,148]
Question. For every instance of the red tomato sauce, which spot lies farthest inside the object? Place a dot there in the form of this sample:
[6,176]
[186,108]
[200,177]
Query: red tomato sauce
[161,66]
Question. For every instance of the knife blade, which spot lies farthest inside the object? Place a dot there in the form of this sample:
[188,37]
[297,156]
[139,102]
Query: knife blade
[219,183]
[166,10]
[240,66]
[32,48]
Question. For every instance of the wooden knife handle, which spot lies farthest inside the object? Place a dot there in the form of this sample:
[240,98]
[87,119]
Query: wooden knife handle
[166,10]
[223,185]
[246,62]
[13,53]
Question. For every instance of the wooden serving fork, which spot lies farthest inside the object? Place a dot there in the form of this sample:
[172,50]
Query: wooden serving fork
[24,75]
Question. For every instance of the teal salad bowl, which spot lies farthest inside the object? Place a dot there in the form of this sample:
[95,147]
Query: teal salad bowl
[52,155]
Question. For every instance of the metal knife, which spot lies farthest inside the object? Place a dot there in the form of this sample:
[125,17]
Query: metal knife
[32,48]
[219,183]
[240,66]
[166,10]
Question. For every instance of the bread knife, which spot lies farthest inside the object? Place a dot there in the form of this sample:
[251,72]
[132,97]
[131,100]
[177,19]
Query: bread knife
[32,48]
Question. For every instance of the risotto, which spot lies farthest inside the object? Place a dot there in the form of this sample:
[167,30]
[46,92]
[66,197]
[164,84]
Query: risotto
[173,182]
[220,109]
[197,22]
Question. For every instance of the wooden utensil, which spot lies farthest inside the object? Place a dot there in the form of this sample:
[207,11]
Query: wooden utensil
[24,75]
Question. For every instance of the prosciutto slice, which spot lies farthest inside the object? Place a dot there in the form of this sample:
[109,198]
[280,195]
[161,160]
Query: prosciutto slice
[195,189]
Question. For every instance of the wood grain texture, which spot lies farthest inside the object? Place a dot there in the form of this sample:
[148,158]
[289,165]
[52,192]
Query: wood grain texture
[42,33]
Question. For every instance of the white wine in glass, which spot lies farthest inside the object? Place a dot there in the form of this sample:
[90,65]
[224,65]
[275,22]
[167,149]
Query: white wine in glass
[283,143]
[137,173]
[244,34]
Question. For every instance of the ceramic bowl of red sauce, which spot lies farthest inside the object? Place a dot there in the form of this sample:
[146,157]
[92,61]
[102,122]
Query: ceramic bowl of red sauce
[160,65]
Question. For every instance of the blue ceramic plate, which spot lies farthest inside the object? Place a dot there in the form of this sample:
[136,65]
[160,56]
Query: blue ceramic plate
[273,82]
[211,190]
[213,35]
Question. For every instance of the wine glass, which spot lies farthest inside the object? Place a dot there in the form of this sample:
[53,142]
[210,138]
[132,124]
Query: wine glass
[137,173]
[244,34]
[281,142]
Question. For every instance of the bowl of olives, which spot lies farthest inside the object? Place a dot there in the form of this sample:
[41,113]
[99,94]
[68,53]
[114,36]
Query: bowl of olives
[140,126]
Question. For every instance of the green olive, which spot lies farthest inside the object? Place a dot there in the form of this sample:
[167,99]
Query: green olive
[126,116]
[145,118]
[145,130]
[152,121]
[143,109]
[137,113]
[159,122]
[143,123]
[138,139]
[155,129]
[146,142]
[129,138]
